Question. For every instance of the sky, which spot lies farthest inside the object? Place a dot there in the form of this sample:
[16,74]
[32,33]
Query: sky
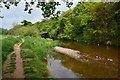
[15,15]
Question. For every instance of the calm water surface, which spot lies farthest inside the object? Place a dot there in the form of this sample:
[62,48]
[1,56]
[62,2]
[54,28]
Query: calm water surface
[96,62]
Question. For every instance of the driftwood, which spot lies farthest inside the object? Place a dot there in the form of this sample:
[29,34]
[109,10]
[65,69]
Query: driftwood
[72,53]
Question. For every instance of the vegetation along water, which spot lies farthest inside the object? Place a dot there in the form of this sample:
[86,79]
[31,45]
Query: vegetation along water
[92,28]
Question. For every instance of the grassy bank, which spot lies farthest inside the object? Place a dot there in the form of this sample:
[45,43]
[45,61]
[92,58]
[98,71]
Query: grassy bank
[11,68]
[8,46]
[33,53]
[6,36]
[115,44]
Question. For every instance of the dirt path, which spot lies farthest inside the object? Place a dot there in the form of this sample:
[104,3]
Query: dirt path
[18,73]
[6,66]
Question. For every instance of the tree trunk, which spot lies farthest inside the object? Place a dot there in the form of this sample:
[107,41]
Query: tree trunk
[72,53]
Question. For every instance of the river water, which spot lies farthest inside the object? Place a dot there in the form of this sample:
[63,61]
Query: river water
[96,61]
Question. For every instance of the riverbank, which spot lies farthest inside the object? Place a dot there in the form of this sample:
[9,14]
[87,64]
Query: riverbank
[113,43]
[33,53]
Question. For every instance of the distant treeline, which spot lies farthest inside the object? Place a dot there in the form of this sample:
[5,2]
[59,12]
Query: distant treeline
[89,21]
[3,31]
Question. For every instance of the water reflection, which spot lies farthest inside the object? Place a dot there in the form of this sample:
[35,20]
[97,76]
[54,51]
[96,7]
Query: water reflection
[99,64]
[57,70]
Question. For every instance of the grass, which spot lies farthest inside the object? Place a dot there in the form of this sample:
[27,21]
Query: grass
[33,66]
[6,36]
[3,36]
[0,58]
[8,46]
[12,63]
[115,44]
[34,52]
[12,67]
[53,43]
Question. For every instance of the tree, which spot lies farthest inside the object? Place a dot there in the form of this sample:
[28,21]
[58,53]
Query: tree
[25,23]
[3,31]
[48,8]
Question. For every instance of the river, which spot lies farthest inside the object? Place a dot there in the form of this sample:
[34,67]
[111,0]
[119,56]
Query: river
[97,61]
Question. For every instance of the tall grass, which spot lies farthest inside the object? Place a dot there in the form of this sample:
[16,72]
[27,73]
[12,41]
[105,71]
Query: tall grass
[34,52]
[38,45]
[33,66]
[8,46]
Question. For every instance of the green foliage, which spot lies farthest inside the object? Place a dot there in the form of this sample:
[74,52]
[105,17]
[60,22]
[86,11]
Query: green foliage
[48,8]
[38,45]
[13,31]
[24,30]
[3,31]
[29,31]
[33,52]
[25,23]
[68,30]
[44,28]
[86,21]
[12,66]
[8,46]
[33,67]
